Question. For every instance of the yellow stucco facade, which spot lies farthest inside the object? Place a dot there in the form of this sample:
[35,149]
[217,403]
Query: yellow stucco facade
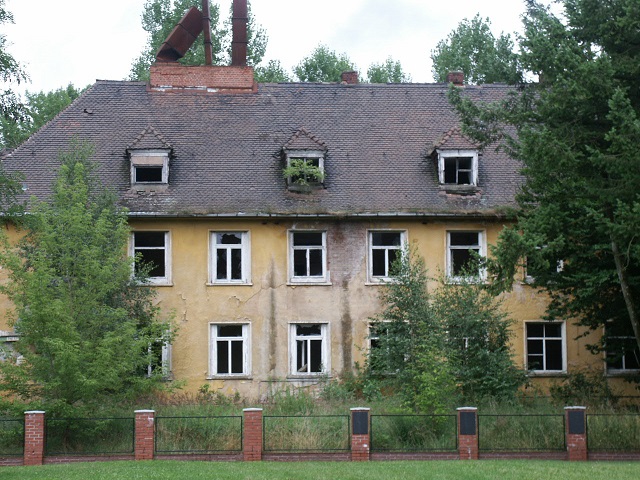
[268,302]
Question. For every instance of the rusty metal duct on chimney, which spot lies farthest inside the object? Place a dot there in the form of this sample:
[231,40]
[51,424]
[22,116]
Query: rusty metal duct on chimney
[181,37]
[239,25]
[206,28]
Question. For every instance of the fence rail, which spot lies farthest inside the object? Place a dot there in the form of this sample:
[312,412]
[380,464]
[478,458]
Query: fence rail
[414,433]
[11,437]
[314,433]
[89,436]
[520,432]
[613,432]
[185,435]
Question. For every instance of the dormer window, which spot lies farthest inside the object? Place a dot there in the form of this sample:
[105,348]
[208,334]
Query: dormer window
[458,167]
[150,167]
[304,169]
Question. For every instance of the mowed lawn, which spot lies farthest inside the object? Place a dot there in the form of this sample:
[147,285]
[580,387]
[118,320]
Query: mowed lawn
[453,470]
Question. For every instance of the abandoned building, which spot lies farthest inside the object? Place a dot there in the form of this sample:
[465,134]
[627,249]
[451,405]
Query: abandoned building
[272,277]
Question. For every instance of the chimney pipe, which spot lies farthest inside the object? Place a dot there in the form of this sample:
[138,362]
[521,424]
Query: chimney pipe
[206,27]
[239,22]
[457,78]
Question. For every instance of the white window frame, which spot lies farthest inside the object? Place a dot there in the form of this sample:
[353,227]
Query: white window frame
[150,158]
[444,154]
[624,370]
[306,155]
[166,279]
[370,248]
[245,257]
[563,339]
[482,247]
[165,360]
[324,278]
[246,350]
[293,350]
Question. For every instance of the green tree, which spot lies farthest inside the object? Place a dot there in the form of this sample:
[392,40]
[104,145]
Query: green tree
[473,49]
[40,108]
[86,324]
[478,340]
[323,65]
[388,72]
[271,73]
[410,342]
[575,132]
[161,16]
[10,72]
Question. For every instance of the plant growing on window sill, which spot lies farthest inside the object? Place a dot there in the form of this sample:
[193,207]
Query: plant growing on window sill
[302,175]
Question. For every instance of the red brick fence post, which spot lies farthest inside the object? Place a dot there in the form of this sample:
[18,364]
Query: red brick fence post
[252,443]
[360,434]
[576,432]
[33,437]
[468,433]
[145,434]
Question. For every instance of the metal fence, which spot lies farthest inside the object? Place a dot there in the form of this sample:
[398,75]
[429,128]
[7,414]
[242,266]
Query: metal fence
[521,432]
[89,436]
[414,433]
[213,434]
[613,432]
[313,433]
[11,437]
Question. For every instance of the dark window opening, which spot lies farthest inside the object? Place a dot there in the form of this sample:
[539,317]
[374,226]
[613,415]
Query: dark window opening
[148,174]
[458,170]
[149,249]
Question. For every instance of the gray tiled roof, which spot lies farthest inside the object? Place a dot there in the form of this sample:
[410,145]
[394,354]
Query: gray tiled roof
[227,148]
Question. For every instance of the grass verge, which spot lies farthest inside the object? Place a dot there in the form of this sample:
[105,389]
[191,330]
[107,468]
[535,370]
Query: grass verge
[437,470]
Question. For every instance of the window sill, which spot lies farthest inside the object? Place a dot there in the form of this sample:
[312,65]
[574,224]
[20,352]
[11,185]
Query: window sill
[382,281]
[460,189]
[229,377]
[309,376]
[157,284]
[622,373]
[542,373]
[229,284]
[309,283]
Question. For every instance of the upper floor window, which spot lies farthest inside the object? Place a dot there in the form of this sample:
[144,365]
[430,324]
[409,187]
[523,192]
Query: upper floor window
[458,167]
[151,250]
[463,250]
[230,257]
[307,257]
[149,167]
[384,248]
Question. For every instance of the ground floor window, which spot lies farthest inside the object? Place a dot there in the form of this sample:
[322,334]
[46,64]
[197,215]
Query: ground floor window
[545,346]
[621,348]
[229,349]
[309,349]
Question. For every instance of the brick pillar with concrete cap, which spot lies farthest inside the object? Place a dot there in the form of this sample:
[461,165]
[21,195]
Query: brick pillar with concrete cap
[252,435]
[468,433]
[144,444]
[576,433]
[360,434]
[33,437]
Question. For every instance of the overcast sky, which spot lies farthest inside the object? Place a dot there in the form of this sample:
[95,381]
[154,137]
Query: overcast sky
[79,41]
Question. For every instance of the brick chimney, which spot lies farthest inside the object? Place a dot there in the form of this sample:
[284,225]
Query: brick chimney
[350,78]
[167,75]
[457,78]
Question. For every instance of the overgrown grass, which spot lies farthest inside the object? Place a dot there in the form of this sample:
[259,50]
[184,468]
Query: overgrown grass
[521,432]
[306,433]
[11,436]
[198,434]
[403,433]
[434,470]
[84,436]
